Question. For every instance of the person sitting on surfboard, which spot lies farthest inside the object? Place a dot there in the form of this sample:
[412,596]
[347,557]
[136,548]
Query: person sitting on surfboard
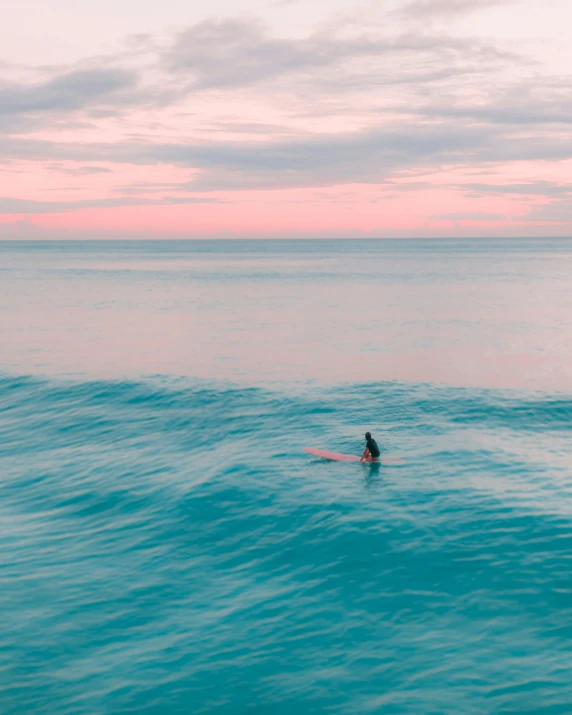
[371,452]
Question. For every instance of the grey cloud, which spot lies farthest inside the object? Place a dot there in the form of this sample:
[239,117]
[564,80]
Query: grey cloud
[424,9]
[240,53]
[25,106]
[80,170]
[67,92]
[313,160]
[559,211]
[362,157]
[149,187]
[538,188]
[232,54]
[10,205]
[504,110]
[519,103]
[89,170]
[470,216]
[317,160]
[393,145]
[509,146]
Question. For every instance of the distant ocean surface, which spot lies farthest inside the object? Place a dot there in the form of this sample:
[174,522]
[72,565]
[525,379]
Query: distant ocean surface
[168,548]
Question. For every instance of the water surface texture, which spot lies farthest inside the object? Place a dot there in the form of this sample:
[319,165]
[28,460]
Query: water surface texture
[478,313]
[168,548]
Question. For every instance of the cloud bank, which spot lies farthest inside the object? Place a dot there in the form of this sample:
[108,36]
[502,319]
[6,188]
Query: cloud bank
[402,114]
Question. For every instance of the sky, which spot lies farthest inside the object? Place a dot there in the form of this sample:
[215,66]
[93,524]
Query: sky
[289,118]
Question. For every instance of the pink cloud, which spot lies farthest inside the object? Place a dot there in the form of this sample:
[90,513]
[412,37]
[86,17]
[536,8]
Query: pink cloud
[229,127]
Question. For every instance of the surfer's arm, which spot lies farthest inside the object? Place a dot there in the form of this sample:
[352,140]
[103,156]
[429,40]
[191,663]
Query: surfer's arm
[365,454]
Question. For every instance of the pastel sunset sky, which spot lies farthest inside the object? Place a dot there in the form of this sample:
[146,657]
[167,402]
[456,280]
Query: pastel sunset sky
[290,118]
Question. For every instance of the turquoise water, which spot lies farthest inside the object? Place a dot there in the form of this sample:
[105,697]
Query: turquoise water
[168,548]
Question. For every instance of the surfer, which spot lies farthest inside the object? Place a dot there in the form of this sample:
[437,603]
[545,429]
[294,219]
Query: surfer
[371,452]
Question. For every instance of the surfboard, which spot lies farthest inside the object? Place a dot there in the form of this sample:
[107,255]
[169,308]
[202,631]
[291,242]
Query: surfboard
[334,456]
[338,457]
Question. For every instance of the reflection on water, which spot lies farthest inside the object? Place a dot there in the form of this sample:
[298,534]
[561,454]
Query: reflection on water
[466,313]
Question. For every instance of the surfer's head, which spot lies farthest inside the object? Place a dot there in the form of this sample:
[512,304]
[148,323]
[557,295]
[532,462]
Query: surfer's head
[368,435]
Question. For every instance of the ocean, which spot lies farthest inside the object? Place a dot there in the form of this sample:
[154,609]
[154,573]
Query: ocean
[168,547]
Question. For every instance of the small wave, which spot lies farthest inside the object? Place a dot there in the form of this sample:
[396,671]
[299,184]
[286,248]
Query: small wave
[169,548]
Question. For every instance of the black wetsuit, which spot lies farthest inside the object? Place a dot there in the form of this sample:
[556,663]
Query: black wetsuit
[371,444]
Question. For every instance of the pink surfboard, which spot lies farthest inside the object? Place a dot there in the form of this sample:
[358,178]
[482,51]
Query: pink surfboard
[337,457]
